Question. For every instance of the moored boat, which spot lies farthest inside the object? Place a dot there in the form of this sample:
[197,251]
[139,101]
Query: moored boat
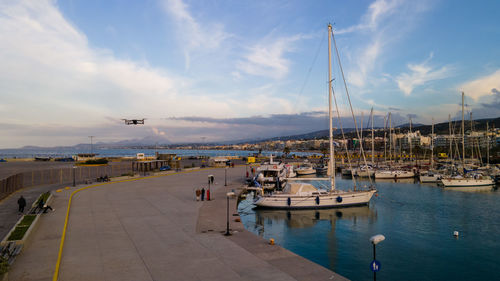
[297,195]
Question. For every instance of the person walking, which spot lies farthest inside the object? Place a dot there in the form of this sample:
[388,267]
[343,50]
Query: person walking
[212,178]
[202,193]
[22,203]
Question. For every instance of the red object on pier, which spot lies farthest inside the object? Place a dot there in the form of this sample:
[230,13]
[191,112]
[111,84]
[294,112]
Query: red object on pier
[208,195]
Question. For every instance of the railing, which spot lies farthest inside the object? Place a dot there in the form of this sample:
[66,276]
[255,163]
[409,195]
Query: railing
[61,176]
[10,185]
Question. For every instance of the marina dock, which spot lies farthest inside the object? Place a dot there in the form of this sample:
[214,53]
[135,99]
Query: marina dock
[152,228]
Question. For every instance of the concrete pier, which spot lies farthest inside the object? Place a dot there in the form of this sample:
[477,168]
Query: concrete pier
[154,229]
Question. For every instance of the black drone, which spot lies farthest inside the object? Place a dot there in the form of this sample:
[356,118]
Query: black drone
[134,121]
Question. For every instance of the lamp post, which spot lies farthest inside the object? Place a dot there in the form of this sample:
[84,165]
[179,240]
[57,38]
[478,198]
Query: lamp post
[375,264]
[91,145]
[225,176]
[74,175]
[229,194]
[208,191]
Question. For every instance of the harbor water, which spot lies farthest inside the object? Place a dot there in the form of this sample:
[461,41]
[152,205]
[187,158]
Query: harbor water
[417,220]
[129,152]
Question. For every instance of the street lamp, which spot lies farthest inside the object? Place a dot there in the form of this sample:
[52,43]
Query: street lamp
[375,264]
[229,194]
[225,176]
[74,175]
[208,191]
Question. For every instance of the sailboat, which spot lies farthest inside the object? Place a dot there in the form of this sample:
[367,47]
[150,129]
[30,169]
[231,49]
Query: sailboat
[431,176]
[300,195]
[466,179]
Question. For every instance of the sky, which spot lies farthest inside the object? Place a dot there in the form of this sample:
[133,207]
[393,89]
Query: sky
[207,71]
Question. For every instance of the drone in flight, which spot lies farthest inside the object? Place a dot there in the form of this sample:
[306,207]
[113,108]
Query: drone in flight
[134,121]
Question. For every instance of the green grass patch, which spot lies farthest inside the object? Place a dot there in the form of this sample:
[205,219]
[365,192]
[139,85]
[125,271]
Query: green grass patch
[21,228]
[43,197]
[97,161]
[4,266]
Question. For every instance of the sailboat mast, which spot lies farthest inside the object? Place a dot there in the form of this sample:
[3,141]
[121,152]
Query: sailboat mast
[471,140]
[390,138]
[451,139]
[373,140]
[432,144]
[463,132]
[385,140]
[487,145]
[411,144]
[332,159]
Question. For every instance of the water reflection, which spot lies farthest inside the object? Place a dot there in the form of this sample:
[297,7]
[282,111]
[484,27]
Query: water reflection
[418,221]
[309,218]
[405,181]
[482,189]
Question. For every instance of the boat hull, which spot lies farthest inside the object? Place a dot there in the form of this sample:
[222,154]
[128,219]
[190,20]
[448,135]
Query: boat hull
[430,179]
[366,173]
[394,175]
[330,200]
[301,172]
[466,182]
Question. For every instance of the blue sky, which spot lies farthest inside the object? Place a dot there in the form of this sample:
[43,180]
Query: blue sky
[226,70]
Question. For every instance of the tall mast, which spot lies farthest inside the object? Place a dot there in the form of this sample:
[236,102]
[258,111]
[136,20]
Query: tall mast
[390,138]
[463,132]
[361,137]
[451,140]
[432,144]
[373,140]
[330,94]
[411,144]
[471,140]
[487,145]
[385,140]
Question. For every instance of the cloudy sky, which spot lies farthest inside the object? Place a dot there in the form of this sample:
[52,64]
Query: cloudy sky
[222,70]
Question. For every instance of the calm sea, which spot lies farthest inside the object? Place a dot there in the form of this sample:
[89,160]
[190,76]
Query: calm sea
[418,222]
[68,152]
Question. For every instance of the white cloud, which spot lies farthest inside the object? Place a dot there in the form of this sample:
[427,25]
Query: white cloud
[482,86]
[377,11]
[267,58]
[365,63]
[384,22]
[195,35]
[420,74]
[50,76]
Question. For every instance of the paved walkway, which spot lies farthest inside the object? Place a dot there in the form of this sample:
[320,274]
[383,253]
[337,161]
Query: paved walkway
[9,214]
[153,229]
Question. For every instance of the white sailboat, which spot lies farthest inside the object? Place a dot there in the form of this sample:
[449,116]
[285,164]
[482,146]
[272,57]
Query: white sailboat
[431,176]
[297,195]
[466,180]
[394,174]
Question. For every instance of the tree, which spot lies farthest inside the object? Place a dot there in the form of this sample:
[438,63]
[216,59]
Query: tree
[286,150]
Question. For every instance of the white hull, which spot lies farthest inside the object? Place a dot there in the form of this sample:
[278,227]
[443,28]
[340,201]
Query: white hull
[433,178]
[326,200]
[394,175]
[466,182]
[366,174]
[305,171]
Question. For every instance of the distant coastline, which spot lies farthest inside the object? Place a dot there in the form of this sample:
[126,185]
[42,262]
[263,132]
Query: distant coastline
[128,152]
